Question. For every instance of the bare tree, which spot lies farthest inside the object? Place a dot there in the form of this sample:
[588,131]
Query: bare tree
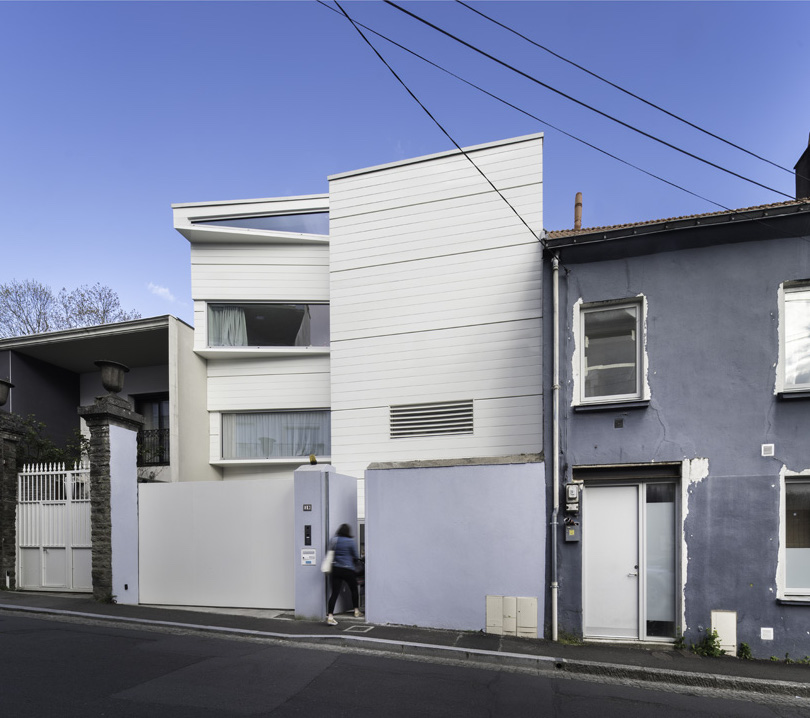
[88,306]
[29,307]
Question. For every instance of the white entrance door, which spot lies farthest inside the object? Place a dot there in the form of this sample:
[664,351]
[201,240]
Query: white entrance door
[610,547]
[628,561]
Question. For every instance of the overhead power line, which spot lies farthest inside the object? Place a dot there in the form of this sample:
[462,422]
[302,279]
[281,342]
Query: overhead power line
[622,89]
[526,112]
[534,234]
[580,102]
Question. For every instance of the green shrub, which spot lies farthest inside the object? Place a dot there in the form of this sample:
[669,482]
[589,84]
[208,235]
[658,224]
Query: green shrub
[709,646]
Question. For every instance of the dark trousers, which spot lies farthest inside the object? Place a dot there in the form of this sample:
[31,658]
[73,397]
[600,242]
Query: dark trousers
[339,575]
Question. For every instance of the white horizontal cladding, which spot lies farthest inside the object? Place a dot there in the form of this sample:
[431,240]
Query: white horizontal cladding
[456,226]
[215,436]
[281,366]
[436,294]
[257,392]
[507,166]
[248,283]
[502,307]
[283,255]
[445,382]
[259,273]
[504,160]
[438,284]
[476,361]
[503,427]
[200,321]
[519,263]
[467,344]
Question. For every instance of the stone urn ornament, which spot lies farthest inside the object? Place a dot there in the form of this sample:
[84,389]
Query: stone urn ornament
[112,375]
[5,387]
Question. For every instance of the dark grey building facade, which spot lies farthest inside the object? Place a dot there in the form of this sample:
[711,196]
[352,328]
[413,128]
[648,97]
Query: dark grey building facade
[684,429]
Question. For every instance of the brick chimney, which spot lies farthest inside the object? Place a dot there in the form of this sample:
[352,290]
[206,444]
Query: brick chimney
[802,170]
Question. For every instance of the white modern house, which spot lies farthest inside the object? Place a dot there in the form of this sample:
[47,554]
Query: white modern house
[393,328]
[260,284]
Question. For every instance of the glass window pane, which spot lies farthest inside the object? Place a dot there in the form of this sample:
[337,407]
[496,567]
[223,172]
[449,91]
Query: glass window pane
[611,352]
[797,338]
[310,223]
[660,559]
[267,435]
[797,534]
[268,325]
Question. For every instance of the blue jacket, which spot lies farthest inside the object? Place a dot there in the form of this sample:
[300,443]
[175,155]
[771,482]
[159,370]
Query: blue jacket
[345,552]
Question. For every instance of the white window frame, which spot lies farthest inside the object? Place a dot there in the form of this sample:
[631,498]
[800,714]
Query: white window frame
[219,460]
[785,291]
[581,310]
[785,592]
[219,352]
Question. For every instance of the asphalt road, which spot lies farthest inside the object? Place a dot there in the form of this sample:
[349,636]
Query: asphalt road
[67,668]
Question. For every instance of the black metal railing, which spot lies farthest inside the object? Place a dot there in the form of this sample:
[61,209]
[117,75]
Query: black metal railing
[153,447]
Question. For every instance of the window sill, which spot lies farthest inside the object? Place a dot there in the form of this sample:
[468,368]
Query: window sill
[794,601]
[249,352]
[791,395]
[613,405]
[293,460]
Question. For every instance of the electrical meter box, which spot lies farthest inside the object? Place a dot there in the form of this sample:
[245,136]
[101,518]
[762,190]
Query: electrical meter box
[572,498]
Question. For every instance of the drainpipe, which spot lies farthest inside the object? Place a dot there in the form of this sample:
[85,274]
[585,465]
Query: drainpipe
[555,438]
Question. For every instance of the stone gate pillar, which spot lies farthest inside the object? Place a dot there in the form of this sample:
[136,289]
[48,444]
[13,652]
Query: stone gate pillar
[113,497]
[9,437]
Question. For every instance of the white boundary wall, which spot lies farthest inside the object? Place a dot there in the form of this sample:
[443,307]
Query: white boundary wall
[226,544]
[124,514]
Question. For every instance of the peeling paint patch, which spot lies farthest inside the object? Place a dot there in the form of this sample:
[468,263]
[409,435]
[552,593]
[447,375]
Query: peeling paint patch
[576,358]
[785,471]
[694,471]
[645,377]
[698,470]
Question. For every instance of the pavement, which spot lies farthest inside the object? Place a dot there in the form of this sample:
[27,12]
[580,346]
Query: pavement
[660,665]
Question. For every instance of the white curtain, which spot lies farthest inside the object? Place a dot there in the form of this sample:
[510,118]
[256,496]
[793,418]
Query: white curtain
[226,327]
[276,434]
[302,339]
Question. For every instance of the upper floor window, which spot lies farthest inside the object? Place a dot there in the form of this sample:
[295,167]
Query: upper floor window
[153,438]
[796,337]
[276,434]
[303,223]
[268,325]
[611,355]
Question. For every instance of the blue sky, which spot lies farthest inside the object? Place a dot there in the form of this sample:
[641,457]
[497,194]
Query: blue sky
[112,111]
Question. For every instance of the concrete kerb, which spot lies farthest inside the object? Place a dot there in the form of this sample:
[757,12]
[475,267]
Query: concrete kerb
[545,665]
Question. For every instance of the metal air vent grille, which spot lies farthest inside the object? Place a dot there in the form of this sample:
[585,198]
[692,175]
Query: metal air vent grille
[451,417]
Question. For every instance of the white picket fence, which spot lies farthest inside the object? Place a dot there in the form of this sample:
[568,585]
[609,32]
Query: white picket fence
[53,527]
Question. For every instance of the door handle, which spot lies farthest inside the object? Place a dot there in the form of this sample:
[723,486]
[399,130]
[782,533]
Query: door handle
[630,575]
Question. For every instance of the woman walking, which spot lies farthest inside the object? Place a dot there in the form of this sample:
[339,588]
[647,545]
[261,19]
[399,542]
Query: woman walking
[343,569]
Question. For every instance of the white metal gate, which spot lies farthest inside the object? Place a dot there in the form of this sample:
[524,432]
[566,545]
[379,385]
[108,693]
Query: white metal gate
[53,528]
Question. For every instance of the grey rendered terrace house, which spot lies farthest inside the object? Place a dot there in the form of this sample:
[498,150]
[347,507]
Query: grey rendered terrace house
[685,407]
